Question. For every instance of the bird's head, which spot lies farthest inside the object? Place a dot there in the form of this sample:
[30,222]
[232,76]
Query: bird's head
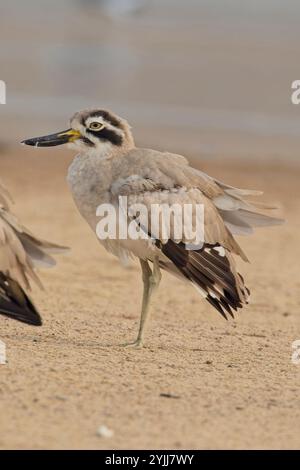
[95,130]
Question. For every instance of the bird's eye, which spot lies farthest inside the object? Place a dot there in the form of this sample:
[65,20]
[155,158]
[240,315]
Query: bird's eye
[96,126]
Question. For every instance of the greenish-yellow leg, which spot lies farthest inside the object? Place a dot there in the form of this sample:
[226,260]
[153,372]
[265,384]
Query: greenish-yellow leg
[151,280]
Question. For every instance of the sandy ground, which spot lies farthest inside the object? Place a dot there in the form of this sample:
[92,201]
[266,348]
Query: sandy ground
[230,384]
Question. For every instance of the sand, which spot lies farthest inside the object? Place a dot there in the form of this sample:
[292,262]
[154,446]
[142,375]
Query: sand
[199,382]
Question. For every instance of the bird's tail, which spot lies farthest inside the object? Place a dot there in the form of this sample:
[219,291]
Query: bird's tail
[242,216]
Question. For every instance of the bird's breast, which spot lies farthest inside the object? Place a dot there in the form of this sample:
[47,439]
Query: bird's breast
[89,183]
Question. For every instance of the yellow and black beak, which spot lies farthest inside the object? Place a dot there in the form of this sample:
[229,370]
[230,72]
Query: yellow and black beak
[54,139]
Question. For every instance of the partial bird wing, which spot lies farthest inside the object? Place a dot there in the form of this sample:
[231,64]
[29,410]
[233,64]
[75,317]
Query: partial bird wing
[208,264]
[20,253]
[149,177]
[185,224]
[37,250]
[240,215]
[14,260]
[166,171]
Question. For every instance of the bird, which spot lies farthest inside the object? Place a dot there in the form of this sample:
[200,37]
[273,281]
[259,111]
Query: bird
[20,253]
[109,165]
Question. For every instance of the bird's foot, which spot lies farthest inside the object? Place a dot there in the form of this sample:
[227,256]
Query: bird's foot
[137,344]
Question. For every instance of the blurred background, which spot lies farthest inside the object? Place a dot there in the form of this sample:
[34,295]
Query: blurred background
[210,79]
[204,77]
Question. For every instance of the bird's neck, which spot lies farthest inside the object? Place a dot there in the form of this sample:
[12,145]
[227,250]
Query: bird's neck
[107,151]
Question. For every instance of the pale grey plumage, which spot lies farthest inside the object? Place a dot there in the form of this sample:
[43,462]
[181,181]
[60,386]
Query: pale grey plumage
[109,165]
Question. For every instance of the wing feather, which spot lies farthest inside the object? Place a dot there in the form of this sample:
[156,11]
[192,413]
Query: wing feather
[20,253]
[149,177]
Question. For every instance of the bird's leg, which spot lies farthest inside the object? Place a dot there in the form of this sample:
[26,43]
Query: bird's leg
[151,280]
[151,283]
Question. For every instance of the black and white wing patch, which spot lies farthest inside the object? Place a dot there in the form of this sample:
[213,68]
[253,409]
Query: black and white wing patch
[212,271]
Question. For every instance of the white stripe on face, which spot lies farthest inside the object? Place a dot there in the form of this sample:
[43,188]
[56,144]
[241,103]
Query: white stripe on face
[106,124]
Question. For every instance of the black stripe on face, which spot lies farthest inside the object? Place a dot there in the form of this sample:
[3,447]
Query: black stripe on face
[107,135]
[106,116]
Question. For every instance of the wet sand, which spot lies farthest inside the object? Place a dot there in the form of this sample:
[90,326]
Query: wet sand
[226,384]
